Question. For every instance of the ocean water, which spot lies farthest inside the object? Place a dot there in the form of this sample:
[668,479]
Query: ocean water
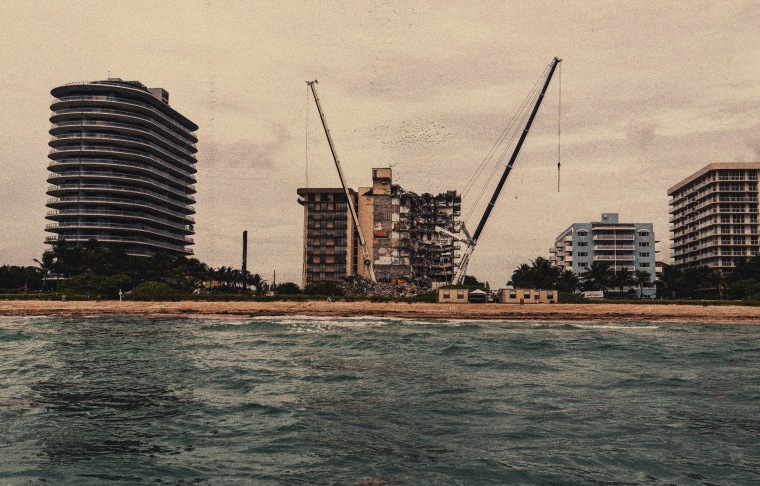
[376,402]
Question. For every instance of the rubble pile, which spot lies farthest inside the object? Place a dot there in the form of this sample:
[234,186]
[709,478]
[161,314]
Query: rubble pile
[356,286]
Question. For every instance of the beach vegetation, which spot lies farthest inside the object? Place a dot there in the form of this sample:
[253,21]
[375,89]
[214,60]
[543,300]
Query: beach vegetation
[154,291]
[287,288]
[327,289]
[540,273]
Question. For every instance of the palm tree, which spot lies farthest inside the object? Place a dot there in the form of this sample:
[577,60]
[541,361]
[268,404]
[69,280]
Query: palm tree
[621,278]
[644,279]
[46,265]
[523,276]
[545,274]
[568,281]
[715,278]
[598,276]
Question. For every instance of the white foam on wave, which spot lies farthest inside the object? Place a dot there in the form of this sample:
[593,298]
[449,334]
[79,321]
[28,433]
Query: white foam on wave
[615,327]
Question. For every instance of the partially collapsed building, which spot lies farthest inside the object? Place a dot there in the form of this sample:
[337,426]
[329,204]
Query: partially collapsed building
[398,226]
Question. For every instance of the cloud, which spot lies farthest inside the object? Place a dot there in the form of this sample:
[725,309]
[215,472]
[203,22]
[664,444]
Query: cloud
[753,140]
[247,153]
[641,134]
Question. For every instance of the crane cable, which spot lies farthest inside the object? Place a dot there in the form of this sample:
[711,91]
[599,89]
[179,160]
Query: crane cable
[500,140]
[497,166]
[520,114]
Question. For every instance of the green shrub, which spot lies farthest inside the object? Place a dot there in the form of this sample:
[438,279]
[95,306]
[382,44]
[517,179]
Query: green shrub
[288,288]
[571,298]
[325,288]
[154,291]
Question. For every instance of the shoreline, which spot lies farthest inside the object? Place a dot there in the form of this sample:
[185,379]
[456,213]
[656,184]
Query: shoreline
[503,312]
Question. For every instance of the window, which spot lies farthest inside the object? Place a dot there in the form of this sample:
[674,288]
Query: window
[536,295]
[550,295]
[446,294]
[512,294]
[460,294]
[582,264]
[582,243]
[644,233]
[643,243]
[582,233]
[526,294]
[643,254]
[644,264]
[582,253]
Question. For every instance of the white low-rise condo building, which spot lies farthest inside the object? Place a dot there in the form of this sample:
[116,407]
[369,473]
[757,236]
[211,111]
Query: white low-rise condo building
[624,246]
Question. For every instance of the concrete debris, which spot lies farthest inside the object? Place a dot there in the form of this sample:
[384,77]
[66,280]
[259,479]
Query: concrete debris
[357,286]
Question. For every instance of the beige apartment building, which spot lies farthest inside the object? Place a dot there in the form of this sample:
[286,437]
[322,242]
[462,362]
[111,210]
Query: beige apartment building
[398,226]
[714,216]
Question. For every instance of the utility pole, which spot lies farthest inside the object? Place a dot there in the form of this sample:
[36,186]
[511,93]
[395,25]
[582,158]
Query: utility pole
[245,260]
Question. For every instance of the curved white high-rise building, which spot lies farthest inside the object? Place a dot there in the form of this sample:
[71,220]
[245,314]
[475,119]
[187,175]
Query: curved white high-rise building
[122,165]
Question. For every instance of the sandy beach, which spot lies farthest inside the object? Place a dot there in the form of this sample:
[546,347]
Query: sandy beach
[555,312]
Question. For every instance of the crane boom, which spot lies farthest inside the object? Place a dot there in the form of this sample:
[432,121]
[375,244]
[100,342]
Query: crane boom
[351,208]
[462,270]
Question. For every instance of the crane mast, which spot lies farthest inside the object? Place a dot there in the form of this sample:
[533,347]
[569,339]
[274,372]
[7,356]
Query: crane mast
[472,242]
[351,208]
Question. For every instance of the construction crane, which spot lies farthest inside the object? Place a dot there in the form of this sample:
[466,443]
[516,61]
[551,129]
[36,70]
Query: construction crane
[471,242]
[351,208]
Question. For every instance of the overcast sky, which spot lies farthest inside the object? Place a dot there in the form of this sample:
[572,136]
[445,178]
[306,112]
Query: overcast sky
[651,92]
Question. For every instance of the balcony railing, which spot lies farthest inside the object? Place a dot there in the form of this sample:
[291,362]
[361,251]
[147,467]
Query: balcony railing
[127,114]
[121,101]
[611,258]
[126,202]
[121,214]
[614,247]
[122,239]
[84,137]
[54,164]
[126,126]
[613,237]
[106,187]
[127,227]
[117,150]
[116,176]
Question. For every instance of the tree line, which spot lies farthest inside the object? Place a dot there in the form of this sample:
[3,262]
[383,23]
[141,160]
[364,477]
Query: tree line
[105,271]
[701,282]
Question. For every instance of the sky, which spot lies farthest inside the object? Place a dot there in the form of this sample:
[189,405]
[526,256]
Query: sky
[650,93]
